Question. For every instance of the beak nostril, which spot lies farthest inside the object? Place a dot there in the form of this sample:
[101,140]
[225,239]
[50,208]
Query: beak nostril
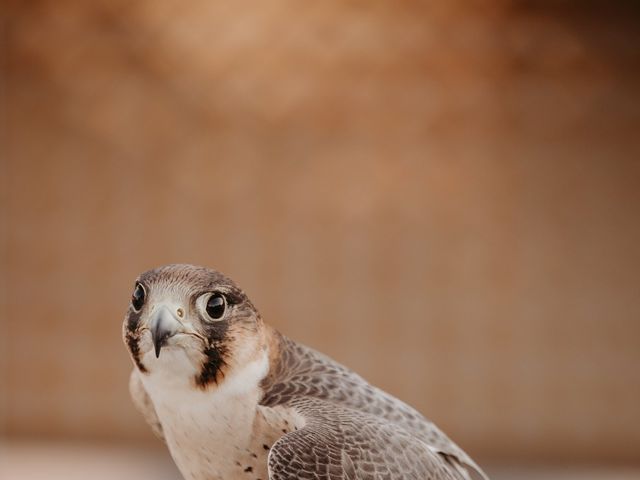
[180,312]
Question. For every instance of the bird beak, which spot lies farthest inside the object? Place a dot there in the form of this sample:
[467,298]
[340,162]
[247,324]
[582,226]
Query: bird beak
[163,325]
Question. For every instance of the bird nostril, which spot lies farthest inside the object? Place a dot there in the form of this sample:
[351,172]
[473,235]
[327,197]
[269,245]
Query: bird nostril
[180,312]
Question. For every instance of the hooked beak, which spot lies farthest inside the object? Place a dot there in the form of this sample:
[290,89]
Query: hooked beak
[163,325]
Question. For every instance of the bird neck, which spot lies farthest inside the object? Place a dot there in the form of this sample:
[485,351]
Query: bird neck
[208,427]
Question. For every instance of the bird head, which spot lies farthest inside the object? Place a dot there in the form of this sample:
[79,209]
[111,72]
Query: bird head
[191,323]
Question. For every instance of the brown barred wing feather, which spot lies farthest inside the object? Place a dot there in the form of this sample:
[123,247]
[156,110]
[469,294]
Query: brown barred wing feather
[343,444]
[352,428]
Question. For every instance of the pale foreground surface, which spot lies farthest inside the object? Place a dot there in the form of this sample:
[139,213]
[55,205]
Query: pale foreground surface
[51,461]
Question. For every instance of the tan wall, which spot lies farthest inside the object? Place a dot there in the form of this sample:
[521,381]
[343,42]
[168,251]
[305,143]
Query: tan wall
[444,198]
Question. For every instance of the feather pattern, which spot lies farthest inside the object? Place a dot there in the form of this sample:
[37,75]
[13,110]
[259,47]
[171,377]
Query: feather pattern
[353,430]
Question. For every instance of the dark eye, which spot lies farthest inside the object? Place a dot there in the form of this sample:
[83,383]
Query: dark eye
[137,297]
[216,306]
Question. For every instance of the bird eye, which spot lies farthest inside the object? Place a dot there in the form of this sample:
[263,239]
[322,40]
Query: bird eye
[216,305]
[138,297]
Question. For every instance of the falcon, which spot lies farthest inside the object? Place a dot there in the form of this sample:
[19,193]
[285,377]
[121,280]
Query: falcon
[234,399]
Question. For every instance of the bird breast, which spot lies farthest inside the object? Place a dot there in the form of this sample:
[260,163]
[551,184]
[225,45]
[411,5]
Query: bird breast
[220,433]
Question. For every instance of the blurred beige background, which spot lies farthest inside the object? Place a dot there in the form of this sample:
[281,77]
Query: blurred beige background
[444,196]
